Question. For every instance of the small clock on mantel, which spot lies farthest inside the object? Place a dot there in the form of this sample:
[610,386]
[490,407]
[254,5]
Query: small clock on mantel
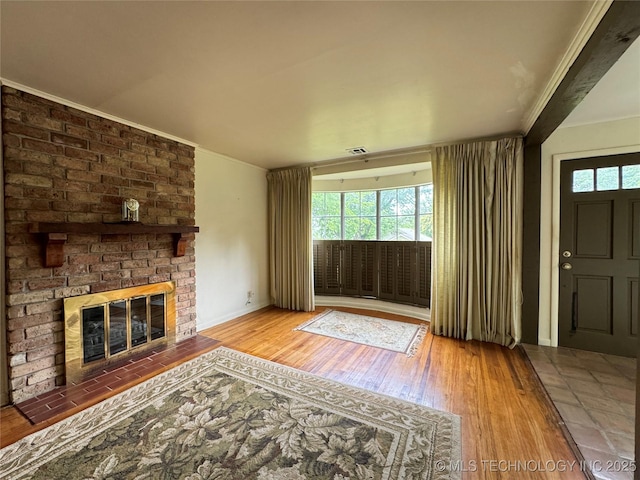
[130,210]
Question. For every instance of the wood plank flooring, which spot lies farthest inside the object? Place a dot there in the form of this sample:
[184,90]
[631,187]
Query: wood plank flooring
[509,427]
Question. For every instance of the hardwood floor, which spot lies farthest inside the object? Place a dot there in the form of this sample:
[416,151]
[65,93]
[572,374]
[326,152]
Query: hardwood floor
[509,427]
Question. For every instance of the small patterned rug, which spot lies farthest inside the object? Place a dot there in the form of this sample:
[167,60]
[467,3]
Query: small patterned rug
[376,332]
[230,416]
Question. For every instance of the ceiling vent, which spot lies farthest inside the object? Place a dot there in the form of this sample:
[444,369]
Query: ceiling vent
[357,151]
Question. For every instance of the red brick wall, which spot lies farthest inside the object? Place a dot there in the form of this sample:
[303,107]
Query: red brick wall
[65,165]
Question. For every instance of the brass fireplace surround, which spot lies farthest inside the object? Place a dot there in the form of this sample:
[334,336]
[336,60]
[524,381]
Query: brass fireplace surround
[76,369]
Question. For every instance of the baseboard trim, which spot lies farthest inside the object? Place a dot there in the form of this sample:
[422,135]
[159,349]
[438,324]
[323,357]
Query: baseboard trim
[230,316]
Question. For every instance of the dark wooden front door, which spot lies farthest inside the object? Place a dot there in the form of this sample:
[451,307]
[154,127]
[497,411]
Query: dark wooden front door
[599,253]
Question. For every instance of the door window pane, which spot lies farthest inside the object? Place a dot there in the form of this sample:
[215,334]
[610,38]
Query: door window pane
[631,176]
[582,181]
[607,178]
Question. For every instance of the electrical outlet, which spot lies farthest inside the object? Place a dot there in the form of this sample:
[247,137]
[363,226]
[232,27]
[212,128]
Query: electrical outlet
[249,297]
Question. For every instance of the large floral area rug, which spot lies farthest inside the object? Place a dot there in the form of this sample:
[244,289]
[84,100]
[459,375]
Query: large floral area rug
[228,415]
[377,332]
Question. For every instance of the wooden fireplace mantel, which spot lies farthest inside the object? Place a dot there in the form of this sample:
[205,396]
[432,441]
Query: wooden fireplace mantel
[56,235]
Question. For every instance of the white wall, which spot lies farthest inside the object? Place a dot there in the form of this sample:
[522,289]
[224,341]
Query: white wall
[610,138]
[231,247]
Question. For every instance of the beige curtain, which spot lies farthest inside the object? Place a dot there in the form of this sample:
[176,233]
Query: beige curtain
[477,244]
[290,242]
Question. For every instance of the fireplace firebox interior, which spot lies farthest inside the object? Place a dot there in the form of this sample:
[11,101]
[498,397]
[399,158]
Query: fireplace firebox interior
[122,325]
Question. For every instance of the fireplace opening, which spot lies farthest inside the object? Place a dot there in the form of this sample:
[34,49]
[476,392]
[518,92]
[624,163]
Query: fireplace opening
[122,325]
[104,328]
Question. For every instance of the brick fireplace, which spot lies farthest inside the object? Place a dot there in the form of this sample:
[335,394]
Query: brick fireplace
[66,165]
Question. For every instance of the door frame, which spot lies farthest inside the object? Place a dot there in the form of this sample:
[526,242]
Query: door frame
[552,282]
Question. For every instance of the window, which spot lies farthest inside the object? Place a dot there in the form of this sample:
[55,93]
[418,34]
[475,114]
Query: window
[630,176]
[394,214]
[583,181]
[398,214]
[426,212]
[360,221]
[326,216]
[606,178]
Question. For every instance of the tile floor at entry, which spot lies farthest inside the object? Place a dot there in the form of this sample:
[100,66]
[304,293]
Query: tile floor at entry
[595,395]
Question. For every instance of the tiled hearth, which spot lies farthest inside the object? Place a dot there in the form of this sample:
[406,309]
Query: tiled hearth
[76,396]
[595,396]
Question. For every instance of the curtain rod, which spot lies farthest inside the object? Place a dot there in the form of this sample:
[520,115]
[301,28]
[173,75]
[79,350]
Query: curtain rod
[359,158]
[396,153]
[367,158]
[489,138]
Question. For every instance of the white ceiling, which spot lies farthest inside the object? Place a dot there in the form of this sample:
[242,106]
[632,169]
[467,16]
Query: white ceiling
[282,83]
[615,96]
